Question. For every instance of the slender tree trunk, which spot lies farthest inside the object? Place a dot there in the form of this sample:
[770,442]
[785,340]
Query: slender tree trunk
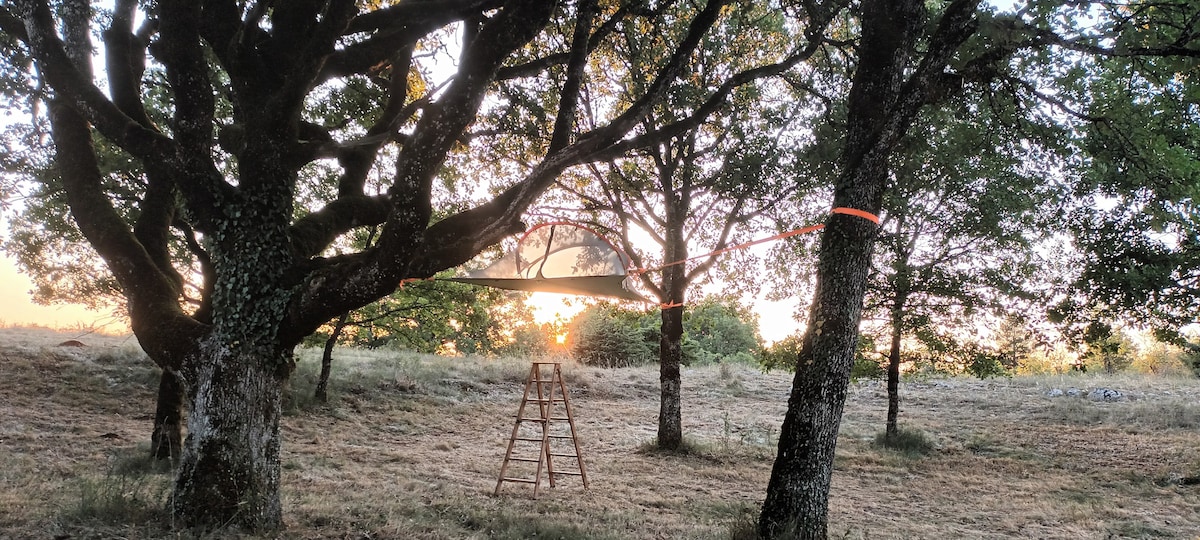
[229,473]
[166,440]
[900,282]
[670,348]
[893,381]
[670,356]
[322,392]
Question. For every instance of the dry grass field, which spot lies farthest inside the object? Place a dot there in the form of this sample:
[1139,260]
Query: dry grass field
[410,446]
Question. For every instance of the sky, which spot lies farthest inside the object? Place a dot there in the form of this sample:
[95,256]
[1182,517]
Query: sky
[16,308]
[776,319]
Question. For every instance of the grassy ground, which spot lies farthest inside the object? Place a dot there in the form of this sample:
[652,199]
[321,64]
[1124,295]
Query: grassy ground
[409,447]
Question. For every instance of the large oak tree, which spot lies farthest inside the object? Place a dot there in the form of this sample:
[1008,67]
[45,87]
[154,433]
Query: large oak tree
[222,173]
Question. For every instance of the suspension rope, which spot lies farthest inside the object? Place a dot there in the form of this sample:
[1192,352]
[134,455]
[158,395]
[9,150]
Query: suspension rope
[804,230]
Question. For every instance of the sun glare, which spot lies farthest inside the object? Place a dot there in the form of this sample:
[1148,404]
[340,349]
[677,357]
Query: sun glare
[555,308]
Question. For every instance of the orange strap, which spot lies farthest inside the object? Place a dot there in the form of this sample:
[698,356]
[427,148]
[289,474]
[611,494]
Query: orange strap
[406,281]
[856,212]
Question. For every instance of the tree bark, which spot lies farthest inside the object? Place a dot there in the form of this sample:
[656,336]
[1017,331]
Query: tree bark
[797,501]
[893,381]
[670,356]
[167,437]
[900,282]
[229,472]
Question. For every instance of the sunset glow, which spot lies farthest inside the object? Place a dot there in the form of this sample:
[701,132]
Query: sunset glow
[16,309]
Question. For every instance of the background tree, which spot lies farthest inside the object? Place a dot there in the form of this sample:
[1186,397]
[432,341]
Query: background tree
[961,221]
[222,176]
[1140,236]
[702,186]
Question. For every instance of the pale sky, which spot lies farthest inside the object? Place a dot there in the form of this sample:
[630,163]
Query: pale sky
[16,309]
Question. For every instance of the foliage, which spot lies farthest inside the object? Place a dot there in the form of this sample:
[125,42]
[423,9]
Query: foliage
[608,336]
[1137,224]
[715,331]
[783,355]
[720,330]
[1107,350]
[428,316]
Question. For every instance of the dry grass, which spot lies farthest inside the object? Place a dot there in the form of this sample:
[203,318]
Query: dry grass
[409,447]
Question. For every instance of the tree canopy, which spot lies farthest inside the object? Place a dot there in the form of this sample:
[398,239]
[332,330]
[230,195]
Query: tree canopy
[249,170]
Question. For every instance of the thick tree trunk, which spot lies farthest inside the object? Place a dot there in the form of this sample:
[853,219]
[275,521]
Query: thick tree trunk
[798,492]
[166,440]
[229,473]
[670,356]
[797,501]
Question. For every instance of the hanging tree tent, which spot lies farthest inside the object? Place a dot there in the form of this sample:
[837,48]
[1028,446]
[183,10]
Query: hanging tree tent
[568,258]
[562,258]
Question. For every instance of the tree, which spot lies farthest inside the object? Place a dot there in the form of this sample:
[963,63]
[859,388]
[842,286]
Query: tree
[904,61]
[961,221]
[1140,240]
[891,83]
[222,176]
[704,183]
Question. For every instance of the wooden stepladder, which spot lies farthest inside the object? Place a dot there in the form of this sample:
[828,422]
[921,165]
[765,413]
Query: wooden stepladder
[549,427]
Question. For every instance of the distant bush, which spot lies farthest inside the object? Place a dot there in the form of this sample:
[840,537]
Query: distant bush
[714,331]
[784,353]
[608,336]
[720,330]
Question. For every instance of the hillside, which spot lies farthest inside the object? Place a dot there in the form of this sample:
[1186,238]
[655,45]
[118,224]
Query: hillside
[410,446]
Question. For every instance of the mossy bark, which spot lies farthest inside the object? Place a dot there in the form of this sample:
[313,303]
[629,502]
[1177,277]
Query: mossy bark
[230,468]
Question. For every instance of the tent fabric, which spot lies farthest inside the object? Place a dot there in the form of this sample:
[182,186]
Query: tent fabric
[561,258]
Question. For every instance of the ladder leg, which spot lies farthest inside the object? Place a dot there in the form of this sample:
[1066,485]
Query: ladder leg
[549,410]
[571,422]
[516,428]
[537,380]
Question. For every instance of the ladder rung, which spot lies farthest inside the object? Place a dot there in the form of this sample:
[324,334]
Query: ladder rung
[527,460]
[564,455]
[522,480]
[560,437]
[526,439]
[536,400]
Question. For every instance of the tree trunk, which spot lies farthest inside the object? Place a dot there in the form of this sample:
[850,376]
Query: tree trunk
[166,440]
[899,303]
[798,492]
[674,286]
[322,392]
[893,382]
[797,501]
[229,473]
[670,356]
